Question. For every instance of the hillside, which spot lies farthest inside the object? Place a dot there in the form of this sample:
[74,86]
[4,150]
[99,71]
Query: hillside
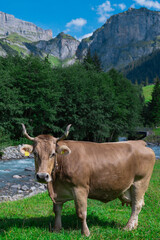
[146,69]
[124,38]
[147,92]
[60,50]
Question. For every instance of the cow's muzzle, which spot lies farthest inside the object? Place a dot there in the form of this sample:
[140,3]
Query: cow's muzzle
[43,177]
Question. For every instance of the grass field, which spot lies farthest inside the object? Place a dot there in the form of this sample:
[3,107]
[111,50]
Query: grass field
[147,92]
[30,218]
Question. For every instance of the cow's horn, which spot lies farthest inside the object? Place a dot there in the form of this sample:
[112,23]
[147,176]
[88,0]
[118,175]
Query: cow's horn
[26,134]
[65,133]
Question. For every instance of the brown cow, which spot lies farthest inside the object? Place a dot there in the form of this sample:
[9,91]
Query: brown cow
[77,170]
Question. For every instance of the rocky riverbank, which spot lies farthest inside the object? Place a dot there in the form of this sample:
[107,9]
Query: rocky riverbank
[18,186]
[21,187]
[12,152]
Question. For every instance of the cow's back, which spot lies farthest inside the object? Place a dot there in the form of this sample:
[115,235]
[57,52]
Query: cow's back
[106,169]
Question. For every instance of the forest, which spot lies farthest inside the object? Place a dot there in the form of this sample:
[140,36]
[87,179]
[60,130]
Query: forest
[100,106]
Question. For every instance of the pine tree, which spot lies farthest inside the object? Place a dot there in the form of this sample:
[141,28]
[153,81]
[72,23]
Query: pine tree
[154,107]
[97,62]
[88,58]
[92,62]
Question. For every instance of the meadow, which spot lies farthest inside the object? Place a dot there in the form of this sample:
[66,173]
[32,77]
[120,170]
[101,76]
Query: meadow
[31,218]
[147,92]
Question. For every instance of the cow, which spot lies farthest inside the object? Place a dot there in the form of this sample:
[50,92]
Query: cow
[77,170]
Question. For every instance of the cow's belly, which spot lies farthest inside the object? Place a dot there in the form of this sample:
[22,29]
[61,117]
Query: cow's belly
[109,191]
[104,196]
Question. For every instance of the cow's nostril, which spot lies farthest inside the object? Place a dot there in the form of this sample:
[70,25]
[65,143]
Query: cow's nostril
[38,177]
[43,177]
[47,176]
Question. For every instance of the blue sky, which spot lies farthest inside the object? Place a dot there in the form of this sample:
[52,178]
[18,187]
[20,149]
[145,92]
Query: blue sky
[79,18]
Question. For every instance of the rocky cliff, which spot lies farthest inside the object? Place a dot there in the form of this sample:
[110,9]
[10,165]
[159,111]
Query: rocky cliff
[124,38]
[9,24]
[63,46]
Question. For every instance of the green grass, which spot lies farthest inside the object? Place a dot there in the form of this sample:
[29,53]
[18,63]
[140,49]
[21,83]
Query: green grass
[30,218]
[14,37]
[147,92]
[55,61]
[157,131]
[18,49]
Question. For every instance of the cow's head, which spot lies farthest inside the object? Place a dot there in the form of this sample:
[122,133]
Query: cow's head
[45,149]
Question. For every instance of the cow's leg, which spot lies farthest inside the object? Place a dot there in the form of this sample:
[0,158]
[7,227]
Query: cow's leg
[138,190]
[80,197]
[57,208]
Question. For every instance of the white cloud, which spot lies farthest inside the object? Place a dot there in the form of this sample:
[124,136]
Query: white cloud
[122,6]
[86,36]
[78,22]
[104,11]
[67,30]
[148,3]
[132,6]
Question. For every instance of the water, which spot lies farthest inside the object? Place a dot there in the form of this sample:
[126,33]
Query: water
[15,167]
[156,149]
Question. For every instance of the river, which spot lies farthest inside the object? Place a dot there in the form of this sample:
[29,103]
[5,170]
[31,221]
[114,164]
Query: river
[15,167]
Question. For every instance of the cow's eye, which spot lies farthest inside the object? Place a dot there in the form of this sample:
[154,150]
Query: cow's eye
[35,154]
[52,155]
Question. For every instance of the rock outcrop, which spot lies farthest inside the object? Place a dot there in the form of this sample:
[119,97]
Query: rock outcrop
[63,46]
[9,24]
[124,38]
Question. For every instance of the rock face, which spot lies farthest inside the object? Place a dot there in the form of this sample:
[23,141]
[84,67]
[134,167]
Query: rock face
[9,24]
[124,38]
[63,46]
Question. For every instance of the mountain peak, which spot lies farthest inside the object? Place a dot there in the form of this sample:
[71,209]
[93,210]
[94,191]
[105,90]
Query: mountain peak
[63,35]
[9,24]
[124,38]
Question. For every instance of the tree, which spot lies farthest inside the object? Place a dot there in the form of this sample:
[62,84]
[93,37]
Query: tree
[92,62]
[97,62]
[154,106]
[46,99]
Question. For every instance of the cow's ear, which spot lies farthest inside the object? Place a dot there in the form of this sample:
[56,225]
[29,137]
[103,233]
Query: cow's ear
[26,149]
[63,150]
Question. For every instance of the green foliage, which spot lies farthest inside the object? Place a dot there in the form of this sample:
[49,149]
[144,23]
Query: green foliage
[157,131]
[92,62]
[54,61]
[152,110]
[30,218]
[146,68]
[155,103]
[147,92]
[99,105]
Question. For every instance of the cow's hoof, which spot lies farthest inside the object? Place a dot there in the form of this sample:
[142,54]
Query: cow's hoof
[86,233]
[130,226]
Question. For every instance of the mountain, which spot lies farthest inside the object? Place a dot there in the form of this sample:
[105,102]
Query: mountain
[24,38]
[9,24]
[145,70]
[62,47]
[124,38]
